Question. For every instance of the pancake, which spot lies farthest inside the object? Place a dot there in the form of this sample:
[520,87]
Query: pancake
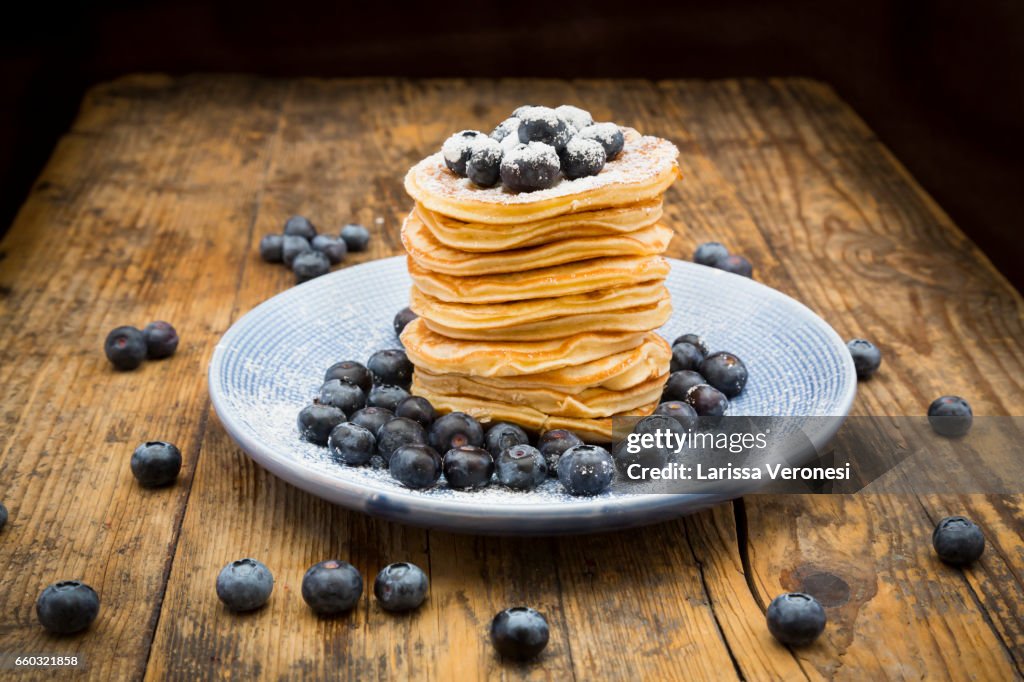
[424,248]
[482,237]
[440,355]
[494,315]
[616,372]
[633,319]
[644,169]
[588,403]
[486,411]
[559,280]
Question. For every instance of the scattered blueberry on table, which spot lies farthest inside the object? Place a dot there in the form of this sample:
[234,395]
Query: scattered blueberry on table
[299,226]
[709,253]
[292,247]
[415,466]
[125,348]
[737,265]
[334,248]
[355,236]
[156,463]
[795,618]
[958,541]
[586,470]
[332,587]
[67,607]
[310,265]
[950,416]
[271,248]
[161,340]
[519,633]
[866,357]
[245,585]
[400,586]
[3,516]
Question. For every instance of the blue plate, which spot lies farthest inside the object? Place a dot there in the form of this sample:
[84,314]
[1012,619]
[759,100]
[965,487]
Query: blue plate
[271,363]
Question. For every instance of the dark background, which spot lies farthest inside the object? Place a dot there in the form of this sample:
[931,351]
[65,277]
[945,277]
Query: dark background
[940,82]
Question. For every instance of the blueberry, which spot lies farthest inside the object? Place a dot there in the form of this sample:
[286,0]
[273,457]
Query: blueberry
[292,247]
[866,357]
[707,400]
[958,541]
[653,455]
[542,124]
[332,587]
[502,436]
[510,126]
[310,265]
[351,371]
[519,633]
[333,247]
[245,585]
[396,433]
[574,116]
[400,587]
[726,372]
[950,416]
[317,421]
[582,157]
[415,466]
[390,366]
[737,265]
[270,248]
[67,607]
[351,444]
[402,318]
[161,340]
[586,470]
[709,253]
[795,618]
[679,384]
[697,340]
[520,467]
[372,418]
[685,356]
[467,467]
[484,165]
[386,396]
[418,409]
[457,149]
[518,110]
[3,516]
[553,444]
[680,411]
[156,463]
[530,167]
[455,429]
[345,396]
[608,134]
[299,226]
[355,236]
[125,348]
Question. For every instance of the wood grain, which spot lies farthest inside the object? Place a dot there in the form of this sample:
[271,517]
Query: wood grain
[151,209]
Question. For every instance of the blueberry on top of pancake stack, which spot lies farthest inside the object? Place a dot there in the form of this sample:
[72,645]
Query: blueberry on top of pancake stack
[535,254]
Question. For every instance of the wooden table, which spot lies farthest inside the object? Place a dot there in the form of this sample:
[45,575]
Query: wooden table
[151,208]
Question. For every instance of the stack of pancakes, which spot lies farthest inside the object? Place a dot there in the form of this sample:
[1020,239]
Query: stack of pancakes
[538,308]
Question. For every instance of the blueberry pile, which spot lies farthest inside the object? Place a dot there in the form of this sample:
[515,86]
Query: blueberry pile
[715,255]
[701,382]
[534,149]
[128,347]
[308,253]
[365,416]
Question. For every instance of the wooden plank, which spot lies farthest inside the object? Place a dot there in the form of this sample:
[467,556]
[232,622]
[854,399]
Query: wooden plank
[863,245]
[131,194]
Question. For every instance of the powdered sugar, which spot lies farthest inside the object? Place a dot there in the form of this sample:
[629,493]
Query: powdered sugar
[574,116]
